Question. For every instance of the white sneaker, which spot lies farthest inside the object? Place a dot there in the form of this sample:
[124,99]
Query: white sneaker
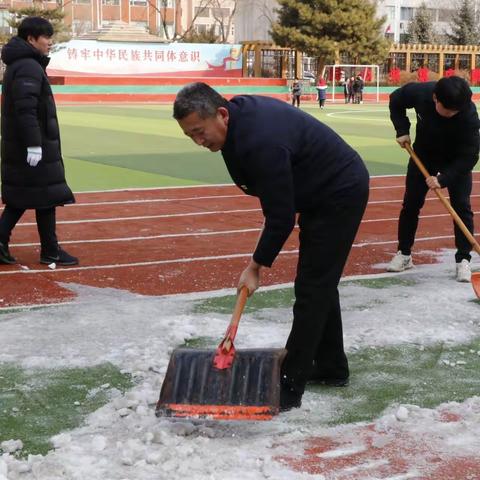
[464,274]
[400,263]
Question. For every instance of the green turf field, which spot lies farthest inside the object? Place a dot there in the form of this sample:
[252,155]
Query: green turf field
[107,147]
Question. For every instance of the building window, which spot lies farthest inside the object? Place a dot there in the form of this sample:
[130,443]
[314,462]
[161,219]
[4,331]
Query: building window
[406,13]
[220,12]
[201,28]
[202,12]
[477,61]
[81,2]
[138,3]
[110,2]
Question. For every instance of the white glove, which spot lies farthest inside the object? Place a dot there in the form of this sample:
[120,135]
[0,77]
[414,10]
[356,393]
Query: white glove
[34,155]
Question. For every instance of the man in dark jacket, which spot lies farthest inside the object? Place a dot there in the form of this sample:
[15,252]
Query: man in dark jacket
[33,175]
[447,142]
[294,164]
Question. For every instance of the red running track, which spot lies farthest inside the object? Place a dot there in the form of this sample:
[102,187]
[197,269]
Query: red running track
[178,240]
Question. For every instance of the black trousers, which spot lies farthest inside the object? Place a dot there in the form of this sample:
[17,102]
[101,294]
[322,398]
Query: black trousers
[296,99]
[316,337]
[414,198]
[46,226]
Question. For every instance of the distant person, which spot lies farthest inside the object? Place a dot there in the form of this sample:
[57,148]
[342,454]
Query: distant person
[33,175]
[296,92]
[351,90]
[294,164]
[447,142]
[322,92]
[359,86]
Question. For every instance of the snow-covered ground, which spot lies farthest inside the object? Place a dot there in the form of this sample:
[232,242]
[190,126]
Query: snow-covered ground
[124,440]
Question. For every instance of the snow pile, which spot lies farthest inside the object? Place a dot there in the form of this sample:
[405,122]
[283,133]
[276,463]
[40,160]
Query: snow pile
[124,440]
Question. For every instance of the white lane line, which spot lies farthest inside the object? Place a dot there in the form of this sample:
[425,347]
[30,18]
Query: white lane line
[144,217]
[193,259]
[155,200]
[146,237]
[204,234]
[216,212]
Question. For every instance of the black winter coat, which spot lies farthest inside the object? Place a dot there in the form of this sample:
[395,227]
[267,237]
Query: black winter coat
[446,145]
[292,162]
[29,119]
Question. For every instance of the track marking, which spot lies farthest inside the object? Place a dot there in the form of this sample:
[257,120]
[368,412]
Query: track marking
[144,217]
[156,200]
[193,259]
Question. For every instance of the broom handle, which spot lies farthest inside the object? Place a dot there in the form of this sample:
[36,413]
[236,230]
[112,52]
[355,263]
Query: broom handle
[444,200]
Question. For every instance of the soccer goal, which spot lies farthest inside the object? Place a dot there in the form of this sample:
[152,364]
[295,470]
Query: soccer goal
[338,74]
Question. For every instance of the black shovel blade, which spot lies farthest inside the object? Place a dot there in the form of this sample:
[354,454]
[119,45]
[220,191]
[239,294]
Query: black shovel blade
[249,390]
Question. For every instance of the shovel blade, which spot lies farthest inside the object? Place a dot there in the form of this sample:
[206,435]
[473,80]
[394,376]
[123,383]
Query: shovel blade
[195,388]
[476,283]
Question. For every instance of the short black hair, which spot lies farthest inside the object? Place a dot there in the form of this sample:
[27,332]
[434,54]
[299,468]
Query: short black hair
[453,93]
[35,27]
[197,97]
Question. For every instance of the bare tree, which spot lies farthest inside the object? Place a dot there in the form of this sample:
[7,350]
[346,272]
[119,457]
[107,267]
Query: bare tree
[223,16]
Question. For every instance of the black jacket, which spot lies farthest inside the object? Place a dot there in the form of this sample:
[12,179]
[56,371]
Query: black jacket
[291,162]
[29,119]
[446,145]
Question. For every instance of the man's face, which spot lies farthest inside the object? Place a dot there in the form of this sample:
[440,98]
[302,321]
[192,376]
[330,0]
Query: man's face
[210,132]
[43,44]
[441,110]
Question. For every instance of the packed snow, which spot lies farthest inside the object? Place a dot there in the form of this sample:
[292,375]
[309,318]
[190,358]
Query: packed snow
[124,440]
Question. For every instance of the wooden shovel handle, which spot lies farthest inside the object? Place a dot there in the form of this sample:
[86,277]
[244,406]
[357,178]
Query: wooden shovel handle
[444,200]
[235,320]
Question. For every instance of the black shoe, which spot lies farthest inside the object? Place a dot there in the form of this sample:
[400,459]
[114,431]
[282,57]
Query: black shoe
[5,256]
[289,399]
[61,258]
[329,382]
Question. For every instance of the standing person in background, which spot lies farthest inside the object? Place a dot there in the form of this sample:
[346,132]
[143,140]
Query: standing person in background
[361,85]
[447,142]
[322,92]
[294,164]
[33,175]
[296,92]
[351,91]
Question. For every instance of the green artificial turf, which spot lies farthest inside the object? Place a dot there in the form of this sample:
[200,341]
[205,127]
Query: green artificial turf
[109,147]
[407,374]
[37,404]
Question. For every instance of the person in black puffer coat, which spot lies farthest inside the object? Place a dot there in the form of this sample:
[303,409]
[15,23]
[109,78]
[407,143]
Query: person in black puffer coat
[32,170]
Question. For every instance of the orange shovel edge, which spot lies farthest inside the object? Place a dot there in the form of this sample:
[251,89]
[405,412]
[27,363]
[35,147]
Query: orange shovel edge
[475,279]
[220,412]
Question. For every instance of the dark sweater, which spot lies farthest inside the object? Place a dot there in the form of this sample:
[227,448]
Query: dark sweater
[446,145]
[289,160]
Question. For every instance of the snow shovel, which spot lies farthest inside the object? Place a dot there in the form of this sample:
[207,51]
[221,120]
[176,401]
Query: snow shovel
[223,384]
[475,275]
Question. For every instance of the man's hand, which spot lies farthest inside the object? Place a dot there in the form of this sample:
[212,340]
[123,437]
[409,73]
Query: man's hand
[432,183]
[403,140]
[250,277]
[34,155]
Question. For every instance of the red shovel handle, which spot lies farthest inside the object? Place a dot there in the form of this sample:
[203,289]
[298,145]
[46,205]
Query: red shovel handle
[226,350]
